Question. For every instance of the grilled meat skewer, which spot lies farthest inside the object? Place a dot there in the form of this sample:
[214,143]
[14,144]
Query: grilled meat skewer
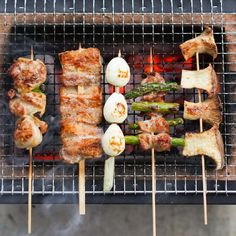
[27,74]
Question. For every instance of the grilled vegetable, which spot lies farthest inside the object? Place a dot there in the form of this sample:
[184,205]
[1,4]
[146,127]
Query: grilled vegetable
[160,107]
[151,87]
[205,79]
[209,111]
[118,72]
[113,141]
[204,43]
[207,143]
[115,109]
[170,122]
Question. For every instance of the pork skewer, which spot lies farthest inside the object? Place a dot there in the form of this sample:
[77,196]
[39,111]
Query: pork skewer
[81,110]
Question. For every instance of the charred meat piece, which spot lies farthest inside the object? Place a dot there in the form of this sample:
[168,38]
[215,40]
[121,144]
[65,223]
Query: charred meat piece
[156,124]
[160,142]
[27,74]
[154,96]
[82,104]
[208,143]
[153,78]
[81,67]
[204,43]
[205,79]
[28,132]
[80,141]
[28,104]
[209,111]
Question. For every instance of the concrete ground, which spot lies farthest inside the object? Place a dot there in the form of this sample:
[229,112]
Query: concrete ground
[117,220]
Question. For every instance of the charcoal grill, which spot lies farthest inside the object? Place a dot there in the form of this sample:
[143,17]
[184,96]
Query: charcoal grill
[132,26]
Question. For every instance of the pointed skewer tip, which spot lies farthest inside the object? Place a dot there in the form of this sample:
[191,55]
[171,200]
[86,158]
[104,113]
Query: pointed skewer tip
[32,53]
[119,53]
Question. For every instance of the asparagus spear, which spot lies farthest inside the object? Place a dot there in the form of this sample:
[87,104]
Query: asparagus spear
[161,107]
[171,122]
[134,140]
[151,87]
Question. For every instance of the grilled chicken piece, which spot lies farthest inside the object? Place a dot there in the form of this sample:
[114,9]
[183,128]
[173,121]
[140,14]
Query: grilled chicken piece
[28,133]
[208,143]
[156,124]
[160,142]
[27,74]
[205,79]
[28,104]
[154,96]
[81,67]
[80,141]
[204,43]
[209,111]
[82,104]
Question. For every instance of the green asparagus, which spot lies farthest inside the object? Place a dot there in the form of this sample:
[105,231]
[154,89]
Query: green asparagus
[151,87]
[160,107]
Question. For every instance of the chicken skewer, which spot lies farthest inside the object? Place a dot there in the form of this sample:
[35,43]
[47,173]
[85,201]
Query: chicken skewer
[28,75]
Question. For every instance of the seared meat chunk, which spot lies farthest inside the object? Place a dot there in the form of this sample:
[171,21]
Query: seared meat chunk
[27,74]
[81,67]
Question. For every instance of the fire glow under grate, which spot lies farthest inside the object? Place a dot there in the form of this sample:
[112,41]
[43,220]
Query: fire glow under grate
[133,33]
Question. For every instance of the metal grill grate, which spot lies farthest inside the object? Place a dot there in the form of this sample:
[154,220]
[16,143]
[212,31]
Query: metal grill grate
[99,24]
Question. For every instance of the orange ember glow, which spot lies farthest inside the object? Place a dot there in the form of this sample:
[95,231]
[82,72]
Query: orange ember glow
[172,63]
[112,89]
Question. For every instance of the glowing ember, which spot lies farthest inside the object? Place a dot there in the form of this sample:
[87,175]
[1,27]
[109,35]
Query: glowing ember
[170,63]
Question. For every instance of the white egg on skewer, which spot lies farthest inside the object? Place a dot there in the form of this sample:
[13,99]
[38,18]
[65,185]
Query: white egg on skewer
[118,72]
[113,141]
[115,109]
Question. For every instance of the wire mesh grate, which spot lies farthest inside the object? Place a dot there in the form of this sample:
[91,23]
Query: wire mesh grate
[133,33]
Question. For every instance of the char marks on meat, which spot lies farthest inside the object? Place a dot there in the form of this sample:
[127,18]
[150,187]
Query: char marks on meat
[81,67]
[156,124]
[160,142]
[81,104]
[27,74]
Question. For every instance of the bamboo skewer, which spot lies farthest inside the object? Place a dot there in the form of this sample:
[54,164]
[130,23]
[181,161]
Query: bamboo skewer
[30,192]
[202,157]
[153,171]
[30,175]
[81,181]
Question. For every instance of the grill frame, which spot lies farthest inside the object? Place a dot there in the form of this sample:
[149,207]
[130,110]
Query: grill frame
[186,189]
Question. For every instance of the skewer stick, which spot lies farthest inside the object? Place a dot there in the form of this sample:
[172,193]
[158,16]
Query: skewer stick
[30,175]
[153,171]
[202,157]
[81,179]
[30,192]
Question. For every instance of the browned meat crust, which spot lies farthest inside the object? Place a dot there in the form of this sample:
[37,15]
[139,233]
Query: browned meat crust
[27,74]
[156,124]
[28,104]
[81,67]
[160,142]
